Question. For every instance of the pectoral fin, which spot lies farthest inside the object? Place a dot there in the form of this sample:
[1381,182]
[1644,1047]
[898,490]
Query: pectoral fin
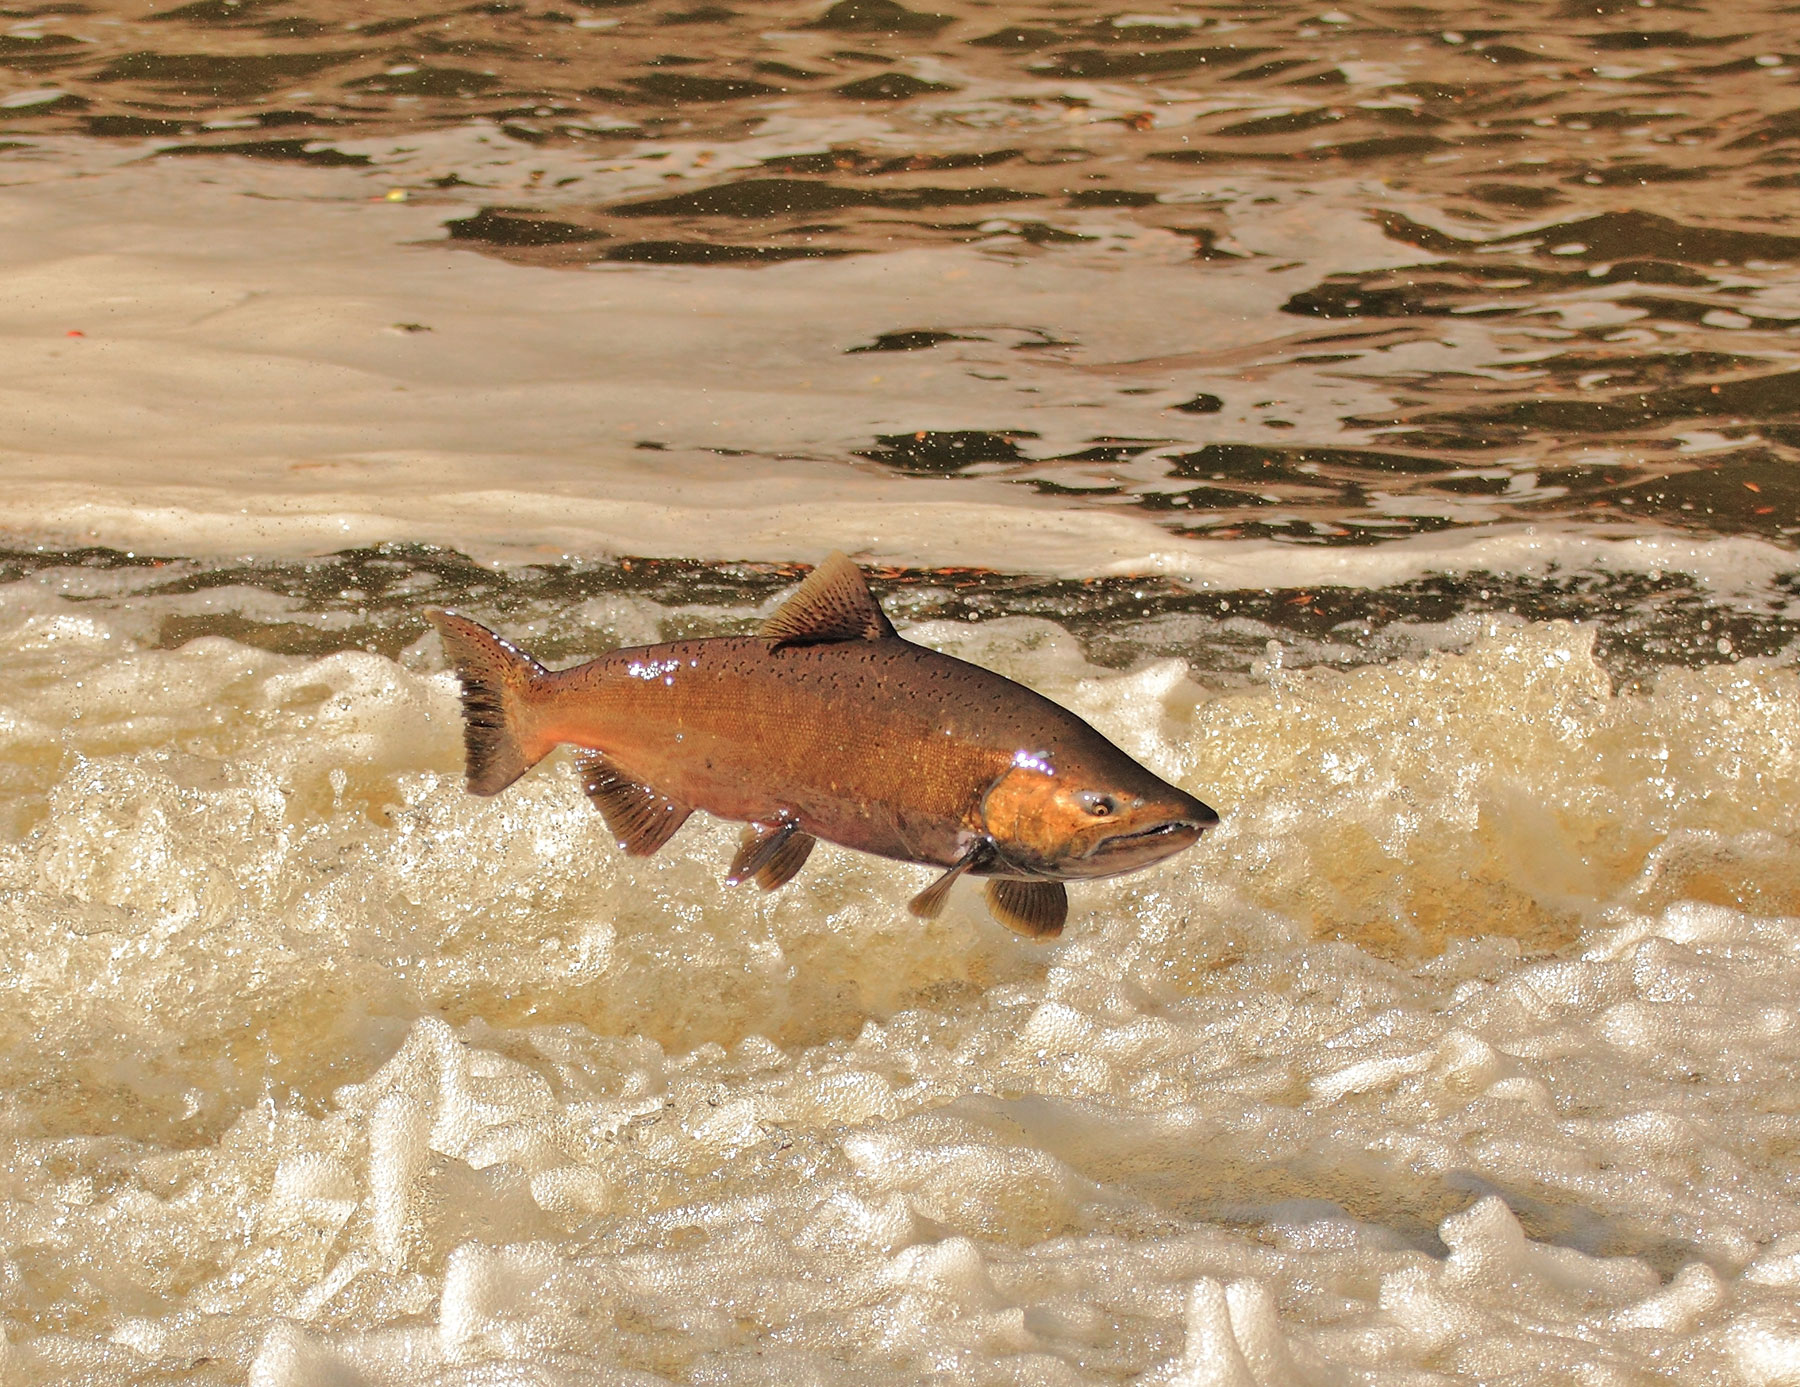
[772,853]
[1036,908]
[929,903]
[641,819]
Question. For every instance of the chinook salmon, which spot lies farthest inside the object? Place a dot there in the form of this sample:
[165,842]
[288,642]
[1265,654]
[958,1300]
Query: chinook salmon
[828,724]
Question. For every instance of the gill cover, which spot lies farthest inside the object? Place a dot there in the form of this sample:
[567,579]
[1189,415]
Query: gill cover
[1026,819]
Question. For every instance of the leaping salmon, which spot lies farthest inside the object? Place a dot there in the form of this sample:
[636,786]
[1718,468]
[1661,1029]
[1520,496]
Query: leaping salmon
[829,724]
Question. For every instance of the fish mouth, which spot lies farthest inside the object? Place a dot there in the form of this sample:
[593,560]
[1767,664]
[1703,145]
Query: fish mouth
[1196,821]
[1151,834]
[1167,834]
[1118,853]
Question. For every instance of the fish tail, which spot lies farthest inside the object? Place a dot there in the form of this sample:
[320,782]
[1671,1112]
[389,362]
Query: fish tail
[499,736]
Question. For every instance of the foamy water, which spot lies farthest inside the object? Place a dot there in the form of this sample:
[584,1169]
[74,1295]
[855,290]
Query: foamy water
[1388,439]
[1463,1049]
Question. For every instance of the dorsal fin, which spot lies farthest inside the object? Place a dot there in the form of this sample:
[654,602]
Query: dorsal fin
[833,604]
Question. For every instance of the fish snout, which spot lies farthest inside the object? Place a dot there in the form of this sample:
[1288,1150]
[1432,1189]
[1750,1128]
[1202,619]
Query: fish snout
[1201,816]
[1156,831]
[1176,810]
[1181,813]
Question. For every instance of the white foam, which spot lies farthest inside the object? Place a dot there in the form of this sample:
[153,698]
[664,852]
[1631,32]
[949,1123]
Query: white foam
[1459,1049]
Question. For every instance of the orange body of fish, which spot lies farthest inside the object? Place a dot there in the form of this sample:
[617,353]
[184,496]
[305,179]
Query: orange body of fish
[828,724]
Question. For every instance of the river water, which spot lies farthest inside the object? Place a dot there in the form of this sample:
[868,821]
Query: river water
[1381,420]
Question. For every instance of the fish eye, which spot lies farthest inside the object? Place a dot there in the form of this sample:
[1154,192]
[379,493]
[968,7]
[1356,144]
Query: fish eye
[1097,804]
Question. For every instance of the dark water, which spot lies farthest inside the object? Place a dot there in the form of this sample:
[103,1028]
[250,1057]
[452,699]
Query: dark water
[1590,208]
[370,599]
[1584,313]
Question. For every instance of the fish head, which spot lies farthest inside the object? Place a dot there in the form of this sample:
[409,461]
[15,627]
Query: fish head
[1070,819]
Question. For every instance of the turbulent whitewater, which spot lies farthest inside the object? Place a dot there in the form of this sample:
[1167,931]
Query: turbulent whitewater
[1464,1046]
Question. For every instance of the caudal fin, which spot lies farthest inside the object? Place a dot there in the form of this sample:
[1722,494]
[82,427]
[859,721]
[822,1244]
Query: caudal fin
[496,696]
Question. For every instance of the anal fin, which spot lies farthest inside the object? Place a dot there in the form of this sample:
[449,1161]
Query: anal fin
[772,853]
[641,819]
[929,903]
[1034,908]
